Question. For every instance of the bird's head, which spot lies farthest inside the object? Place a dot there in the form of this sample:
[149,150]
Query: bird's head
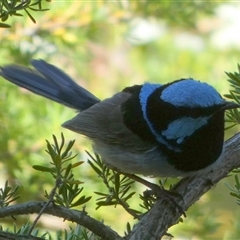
[176,111]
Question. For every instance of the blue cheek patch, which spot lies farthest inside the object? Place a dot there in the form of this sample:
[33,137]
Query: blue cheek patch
[146,91]
[184,127]
[191,93]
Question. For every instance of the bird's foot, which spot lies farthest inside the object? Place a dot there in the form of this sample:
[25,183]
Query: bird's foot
[159,192]
[168,195]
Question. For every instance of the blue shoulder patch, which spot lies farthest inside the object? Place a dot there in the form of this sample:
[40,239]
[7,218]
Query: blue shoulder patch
[191,93]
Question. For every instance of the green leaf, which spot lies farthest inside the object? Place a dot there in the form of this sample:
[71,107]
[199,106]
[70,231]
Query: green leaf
[117,182]
[30,16]
[74,182]
[128,196]
[96,169]
[81,201]
[43,169]
[77,164]
[102,194]
[102,203]
[69,146]
[237,183]
[50,150]
[4,25]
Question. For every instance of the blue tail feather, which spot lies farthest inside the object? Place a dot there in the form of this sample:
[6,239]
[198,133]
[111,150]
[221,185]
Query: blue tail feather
[49,81]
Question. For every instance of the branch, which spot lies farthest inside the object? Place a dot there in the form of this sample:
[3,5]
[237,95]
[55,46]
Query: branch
[79,217]
[155,223]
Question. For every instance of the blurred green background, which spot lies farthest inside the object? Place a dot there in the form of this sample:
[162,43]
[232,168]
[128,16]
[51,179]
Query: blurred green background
[106,46]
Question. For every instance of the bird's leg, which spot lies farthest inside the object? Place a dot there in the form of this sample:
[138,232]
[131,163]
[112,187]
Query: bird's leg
[158,191]
[150,185]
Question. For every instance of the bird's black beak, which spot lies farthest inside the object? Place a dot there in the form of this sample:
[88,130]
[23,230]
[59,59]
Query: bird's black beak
[229,105]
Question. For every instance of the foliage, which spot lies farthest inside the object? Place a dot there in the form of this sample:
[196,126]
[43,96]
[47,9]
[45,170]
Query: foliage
[76,233]
[7,195]
[24,230]
[177,13]
[235,191]
[66,191]
[233,117]
[13,7]
[117,184]
[66,188]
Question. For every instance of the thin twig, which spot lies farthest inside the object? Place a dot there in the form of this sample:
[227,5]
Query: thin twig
[50,200]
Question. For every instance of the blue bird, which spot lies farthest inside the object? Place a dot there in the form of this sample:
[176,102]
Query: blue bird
[170,130]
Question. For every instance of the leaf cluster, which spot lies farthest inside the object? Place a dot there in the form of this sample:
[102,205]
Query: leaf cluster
[13,7]
[77,233]
[235,190]
[233,115]
[67,189]
[24,230]
[8,194]
[118,186]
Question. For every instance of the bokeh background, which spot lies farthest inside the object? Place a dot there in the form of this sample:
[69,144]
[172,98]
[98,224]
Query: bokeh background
[106,46]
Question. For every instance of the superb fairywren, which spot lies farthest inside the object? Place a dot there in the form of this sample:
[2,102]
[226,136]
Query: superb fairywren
[169,130]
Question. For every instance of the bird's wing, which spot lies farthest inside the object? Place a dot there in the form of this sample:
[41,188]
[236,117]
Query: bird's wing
[104,122]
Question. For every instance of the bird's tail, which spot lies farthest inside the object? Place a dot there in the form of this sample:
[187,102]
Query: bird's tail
[49,81]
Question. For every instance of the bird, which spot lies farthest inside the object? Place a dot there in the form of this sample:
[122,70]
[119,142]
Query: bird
[159,130]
